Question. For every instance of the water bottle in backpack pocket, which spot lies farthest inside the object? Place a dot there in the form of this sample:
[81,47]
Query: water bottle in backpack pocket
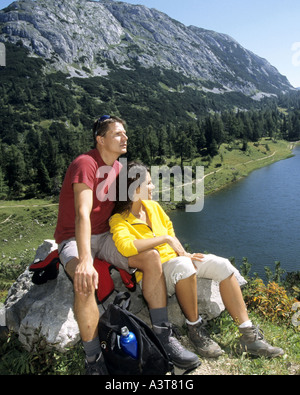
[146,355]
[129,343]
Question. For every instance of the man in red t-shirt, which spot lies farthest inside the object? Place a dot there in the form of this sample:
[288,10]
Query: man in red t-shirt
[86,203]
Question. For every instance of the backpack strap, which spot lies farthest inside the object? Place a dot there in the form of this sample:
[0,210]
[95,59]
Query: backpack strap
[128,280]
[122,300]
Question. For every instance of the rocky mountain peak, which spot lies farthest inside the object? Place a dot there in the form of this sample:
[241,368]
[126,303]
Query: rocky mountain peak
[83,37]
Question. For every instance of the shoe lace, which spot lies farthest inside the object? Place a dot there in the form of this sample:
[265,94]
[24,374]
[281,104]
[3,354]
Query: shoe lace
[173,337]
[204,335]
[258,332]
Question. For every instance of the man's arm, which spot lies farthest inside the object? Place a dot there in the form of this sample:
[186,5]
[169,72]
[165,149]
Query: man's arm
[86,277]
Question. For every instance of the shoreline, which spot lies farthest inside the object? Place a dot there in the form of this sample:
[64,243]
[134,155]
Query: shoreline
[242,170]
[231,172]
[292,146]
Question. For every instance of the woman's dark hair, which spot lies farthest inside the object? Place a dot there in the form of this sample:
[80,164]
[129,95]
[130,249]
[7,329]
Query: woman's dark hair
[101,126]
[133,172]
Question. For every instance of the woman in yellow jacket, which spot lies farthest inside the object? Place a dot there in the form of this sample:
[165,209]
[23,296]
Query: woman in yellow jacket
[139,224]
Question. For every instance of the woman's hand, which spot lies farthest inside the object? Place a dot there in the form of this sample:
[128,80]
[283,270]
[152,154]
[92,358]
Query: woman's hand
[176,245]
[196,257]
[178,248]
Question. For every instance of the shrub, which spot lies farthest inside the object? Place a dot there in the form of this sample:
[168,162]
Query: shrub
[270,301]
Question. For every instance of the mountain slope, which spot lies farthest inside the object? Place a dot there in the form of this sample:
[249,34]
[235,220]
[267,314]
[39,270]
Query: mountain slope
[84,38]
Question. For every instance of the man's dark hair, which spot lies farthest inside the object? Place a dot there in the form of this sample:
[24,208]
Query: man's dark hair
[101,126]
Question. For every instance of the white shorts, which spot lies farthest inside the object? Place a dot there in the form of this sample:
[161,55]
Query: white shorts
[212,267]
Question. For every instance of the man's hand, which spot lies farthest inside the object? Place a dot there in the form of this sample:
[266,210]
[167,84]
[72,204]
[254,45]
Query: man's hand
[86,278]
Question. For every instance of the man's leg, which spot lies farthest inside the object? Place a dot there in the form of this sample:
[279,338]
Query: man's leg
[186,292]
[87,316]
[154,292]
[154,286]
[85,309]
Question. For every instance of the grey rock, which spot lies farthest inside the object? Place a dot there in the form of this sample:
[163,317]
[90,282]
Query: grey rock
[43,314]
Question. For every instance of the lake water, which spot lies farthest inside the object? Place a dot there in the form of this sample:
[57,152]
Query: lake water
[257,217]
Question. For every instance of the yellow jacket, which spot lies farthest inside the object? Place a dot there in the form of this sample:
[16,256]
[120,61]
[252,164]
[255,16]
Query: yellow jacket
[126,228]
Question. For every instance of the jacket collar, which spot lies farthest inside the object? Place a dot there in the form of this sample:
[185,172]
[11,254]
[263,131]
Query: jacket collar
[133,220]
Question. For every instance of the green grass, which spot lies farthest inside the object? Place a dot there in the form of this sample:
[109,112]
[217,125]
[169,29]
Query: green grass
[24,226]
[234,362]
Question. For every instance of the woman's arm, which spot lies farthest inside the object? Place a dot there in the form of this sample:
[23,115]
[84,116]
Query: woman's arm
[147,244]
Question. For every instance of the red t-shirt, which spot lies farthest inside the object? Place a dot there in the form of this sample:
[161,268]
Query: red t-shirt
[88,169]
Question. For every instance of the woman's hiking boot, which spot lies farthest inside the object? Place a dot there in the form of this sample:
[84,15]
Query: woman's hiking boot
[202,342]
[253,342]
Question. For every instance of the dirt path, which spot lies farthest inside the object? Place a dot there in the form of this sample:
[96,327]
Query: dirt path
[34,205]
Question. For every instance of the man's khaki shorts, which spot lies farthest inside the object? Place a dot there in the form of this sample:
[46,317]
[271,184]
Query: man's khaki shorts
[102,247]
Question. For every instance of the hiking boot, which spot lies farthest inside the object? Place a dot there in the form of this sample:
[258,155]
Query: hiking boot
[180,356]
[202,342]
[97,368]
[252,341]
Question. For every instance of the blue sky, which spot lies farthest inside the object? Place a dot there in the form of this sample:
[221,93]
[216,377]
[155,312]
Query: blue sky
[269,28]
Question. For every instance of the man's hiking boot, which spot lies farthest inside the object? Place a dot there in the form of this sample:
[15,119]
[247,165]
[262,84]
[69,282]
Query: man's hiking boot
[202,342]
[180,356]
[252,341]
[97,368]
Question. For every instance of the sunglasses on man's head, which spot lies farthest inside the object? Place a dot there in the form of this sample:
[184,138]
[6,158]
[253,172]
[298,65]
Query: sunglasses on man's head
[104,118]
[101,119]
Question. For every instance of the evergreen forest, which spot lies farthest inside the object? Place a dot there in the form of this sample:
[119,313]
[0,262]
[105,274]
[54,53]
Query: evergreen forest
[47,117]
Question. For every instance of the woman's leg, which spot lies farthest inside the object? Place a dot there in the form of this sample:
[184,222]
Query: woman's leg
[233,299]
[154,286]
[186,293]
[180,272]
